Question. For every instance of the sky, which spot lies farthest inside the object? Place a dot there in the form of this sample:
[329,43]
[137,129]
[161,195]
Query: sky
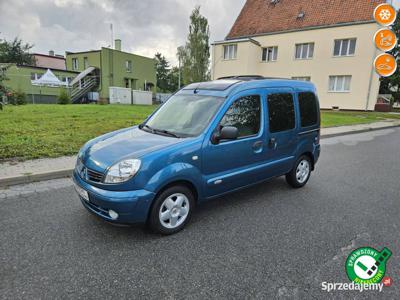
[144,26]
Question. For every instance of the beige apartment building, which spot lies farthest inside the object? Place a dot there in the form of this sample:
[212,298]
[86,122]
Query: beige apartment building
[327,42]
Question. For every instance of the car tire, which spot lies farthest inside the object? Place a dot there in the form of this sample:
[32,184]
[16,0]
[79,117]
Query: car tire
[171,210]
[301,172]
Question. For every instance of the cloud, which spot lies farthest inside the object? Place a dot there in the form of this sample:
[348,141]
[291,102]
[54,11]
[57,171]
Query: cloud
[145,27]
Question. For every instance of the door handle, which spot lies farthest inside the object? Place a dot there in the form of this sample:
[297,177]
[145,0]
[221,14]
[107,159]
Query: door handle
[272,143]
[257,144]
[258,147]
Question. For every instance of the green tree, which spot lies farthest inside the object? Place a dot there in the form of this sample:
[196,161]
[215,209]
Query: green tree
[173,79]
[195,56]
[17,52]
[162,71]
[391,84]
[3,69]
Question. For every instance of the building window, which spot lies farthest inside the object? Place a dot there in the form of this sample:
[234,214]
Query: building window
[245,115]
[128,66]
[346,47]
[308,109]
[85,63]
[75,65]
[230,52]
[270,54]
[302,78]
[339,83]
[281,112]
[304,51]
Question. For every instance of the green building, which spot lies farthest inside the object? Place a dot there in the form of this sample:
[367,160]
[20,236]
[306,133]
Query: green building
[19,78]
[114,68]
[85,74]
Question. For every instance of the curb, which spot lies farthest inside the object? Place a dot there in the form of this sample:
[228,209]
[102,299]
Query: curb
[24,179]
[325,136]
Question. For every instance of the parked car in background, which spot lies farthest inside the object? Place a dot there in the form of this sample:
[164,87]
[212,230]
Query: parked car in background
[207,140]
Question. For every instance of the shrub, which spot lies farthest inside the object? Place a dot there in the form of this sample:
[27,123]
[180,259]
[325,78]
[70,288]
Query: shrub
[20,98]
[63,98]
[16,97]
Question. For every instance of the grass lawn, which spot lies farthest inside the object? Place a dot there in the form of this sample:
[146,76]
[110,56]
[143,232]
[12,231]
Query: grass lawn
[34,131]
[333,118]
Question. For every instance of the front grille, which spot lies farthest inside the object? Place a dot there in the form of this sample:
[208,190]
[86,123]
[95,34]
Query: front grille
[94,176]
[87,173]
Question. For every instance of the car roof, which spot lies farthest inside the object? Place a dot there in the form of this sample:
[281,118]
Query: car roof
[231,85]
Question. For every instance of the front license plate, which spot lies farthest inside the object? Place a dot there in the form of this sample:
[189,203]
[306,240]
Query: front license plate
[81,192]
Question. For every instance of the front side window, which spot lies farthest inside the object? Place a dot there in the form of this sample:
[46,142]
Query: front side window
[339,83]
[304,51]
[230,51]
[270,54]
[75,64]
[245,115]
[281,112]
[346,47]
[308,109]
[185,115]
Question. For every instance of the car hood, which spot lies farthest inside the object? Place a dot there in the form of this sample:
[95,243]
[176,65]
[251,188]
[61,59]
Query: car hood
[106,150]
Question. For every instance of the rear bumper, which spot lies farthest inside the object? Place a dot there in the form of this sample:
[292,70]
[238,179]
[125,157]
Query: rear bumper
[317,152]
[132,206]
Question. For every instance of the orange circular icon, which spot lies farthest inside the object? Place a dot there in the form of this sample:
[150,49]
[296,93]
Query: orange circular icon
[385,14]
[385,39]
[385,65]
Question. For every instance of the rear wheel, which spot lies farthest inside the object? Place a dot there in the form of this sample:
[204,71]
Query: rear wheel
[171,210]
[300,173]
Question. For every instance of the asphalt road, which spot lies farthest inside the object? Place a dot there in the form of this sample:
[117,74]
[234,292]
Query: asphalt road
[269,241]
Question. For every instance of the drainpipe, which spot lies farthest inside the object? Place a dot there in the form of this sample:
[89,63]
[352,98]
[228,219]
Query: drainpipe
[371,78]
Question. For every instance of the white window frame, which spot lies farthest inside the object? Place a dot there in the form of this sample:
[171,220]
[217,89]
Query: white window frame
[86,62]
[302,78]
[230,52]
[301,51]
[336,88]
[274,54]
[75,63]
[341,47]
[128,66]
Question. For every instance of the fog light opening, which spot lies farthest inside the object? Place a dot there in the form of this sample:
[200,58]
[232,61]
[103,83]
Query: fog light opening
[113,215]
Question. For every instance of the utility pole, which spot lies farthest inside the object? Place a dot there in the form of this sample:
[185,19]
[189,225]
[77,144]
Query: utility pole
[179,73]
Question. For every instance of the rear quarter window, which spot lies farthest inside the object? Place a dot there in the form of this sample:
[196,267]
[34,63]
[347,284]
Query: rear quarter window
[308,109]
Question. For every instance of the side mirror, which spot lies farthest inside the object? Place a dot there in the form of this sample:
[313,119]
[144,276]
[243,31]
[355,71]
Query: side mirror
[226,133]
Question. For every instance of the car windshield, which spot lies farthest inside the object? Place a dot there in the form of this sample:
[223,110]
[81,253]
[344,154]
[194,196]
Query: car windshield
[184,115]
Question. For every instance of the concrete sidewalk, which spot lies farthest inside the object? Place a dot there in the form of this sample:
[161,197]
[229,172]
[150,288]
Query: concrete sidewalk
[13,173]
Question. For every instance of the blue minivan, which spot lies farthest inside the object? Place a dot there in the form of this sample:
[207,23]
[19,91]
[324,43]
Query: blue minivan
[208,139]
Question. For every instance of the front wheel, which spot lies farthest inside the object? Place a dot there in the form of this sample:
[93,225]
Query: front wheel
[300,173]
[171,210]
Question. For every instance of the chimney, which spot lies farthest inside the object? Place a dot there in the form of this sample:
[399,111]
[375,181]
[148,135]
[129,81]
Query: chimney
[51,52]
[118,44]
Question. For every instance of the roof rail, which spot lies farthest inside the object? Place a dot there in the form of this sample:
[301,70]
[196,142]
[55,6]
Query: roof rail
[248,77]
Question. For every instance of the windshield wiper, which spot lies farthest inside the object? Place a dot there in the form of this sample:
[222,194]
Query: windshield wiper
[166,132]
[155,130]
[146,126]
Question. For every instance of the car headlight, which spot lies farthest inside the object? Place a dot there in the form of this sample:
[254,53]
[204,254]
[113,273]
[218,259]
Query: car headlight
[122,171]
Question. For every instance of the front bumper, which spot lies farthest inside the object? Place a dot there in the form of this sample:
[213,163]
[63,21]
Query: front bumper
[131,206]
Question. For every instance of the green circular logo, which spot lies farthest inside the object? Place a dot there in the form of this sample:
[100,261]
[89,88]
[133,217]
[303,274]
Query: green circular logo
[367,265]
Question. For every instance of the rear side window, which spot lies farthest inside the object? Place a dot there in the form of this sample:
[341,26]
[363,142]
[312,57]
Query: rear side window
[281,112]
[308,109]
[244,114]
